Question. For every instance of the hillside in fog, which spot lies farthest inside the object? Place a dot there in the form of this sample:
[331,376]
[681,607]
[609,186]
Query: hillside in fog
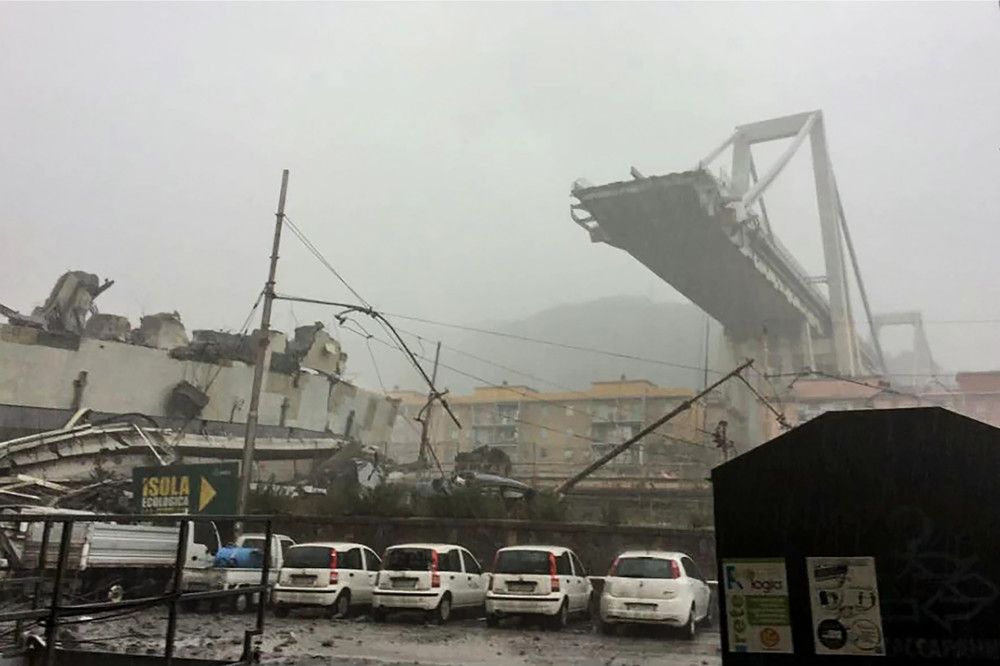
[671,333]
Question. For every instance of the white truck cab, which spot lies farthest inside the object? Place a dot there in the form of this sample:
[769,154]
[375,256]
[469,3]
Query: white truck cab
[229,577]
[431,577]
[548,581]
[334,575]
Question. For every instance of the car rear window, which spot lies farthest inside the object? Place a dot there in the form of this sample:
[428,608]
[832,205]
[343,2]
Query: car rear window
[644,567]
[253,542]
[408,559]
[308,557]
[522,562]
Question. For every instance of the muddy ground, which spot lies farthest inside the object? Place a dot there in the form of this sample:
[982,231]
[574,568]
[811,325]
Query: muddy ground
[306,639]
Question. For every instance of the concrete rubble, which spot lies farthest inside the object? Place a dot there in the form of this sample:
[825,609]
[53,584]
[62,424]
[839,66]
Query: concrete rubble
[66,356]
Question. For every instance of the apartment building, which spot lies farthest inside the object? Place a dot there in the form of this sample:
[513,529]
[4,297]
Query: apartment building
[551,434]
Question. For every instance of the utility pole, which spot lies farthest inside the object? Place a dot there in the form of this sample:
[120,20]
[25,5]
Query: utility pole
[425,425]
[621,448]
[263,355]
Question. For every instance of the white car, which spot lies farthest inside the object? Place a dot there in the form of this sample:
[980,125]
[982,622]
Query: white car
[655,587]
[538,580]
[338,576]
[432,577]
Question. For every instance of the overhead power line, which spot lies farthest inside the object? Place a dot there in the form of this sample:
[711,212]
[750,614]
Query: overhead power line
[367,309]
[553,343]
[541,426]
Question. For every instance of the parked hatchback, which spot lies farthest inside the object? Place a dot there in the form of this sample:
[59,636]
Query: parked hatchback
[434,578]
[655,587]
[337,576]
[544,581]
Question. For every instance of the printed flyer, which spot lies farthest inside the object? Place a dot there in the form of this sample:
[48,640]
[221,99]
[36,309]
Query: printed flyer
[757,612]
[846,617]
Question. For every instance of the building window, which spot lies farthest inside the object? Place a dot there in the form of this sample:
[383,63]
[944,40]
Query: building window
[568,454]
[543,453]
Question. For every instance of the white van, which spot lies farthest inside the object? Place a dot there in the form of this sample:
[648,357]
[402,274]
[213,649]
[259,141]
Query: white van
[655,587]
[538,580]
[338,576]
[431,577]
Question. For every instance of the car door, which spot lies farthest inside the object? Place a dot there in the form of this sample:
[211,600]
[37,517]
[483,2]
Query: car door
[581,582]
[372,565]
[564,569]
[352,573]
[699,588]
[577,594]
[452,576]
[474,579]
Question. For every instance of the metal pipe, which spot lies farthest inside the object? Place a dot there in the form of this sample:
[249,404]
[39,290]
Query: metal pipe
[182,538]
[51,626]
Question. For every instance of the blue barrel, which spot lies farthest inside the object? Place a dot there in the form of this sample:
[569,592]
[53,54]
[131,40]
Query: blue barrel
[232,557]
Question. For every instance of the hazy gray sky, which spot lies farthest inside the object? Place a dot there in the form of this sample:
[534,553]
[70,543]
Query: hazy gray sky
[432,147]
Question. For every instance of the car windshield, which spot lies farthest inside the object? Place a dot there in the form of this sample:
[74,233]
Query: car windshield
[408,559]
[522,562]
[308,557]
[644,567]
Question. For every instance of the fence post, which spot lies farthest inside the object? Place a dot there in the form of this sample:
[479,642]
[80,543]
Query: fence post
[50,628]
[39,573]
[182,539]
[264,595]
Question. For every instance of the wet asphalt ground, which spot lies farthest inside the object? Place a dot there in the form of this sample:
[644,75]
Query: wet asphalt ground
[309,639]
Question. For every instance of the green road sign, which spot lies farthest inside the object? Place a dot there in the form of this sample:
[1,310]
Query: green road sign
[209,488]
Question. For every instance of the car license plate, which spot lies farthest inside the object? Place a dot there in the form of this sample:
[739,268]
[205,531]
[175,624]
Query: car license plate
[523,588]
[641,607]
[404,583]
[303,580]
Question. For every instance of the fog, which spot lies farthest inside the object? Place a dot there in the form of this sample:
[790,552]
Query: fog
[432,148]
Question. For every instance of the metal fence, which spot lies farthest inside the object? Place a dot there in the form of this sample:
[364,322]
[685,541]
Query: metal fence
[37,593]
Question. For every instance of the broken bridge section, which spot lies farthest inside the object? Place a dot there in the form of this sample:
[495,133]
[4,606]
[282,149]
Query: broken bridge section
[680,227]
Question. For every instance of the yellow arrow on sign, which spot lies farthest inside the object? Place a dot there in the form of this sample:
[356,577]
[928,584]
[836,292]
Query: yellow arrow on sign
[207,494]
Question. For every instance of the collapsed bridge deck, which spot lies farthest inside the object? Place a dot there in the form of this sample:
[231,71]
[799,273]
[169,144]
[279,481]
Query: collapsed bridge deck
[680,227]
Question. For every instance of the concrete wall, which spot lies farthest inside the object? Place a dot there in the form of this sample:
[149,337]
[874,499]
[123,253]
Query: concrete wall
[597,545]
[129,378]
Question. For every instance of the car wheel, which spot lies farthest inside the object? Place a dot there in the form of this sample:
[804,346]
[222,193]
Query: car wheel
[442,613]
[280,611]
[561,618]
[492,619]
[342,606]
[240,603]
[691,628]
[115,593]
